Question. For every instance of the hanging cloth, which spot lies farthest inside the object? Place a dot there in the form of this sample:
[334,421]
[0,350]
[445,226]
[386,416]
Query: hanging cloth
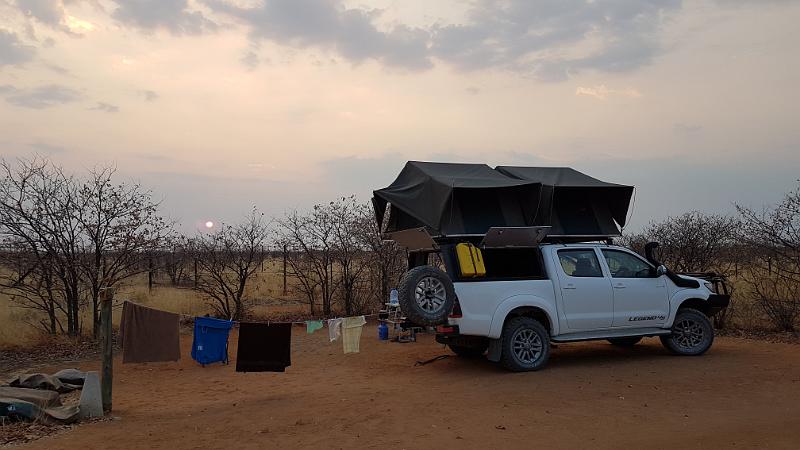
[148,335]
[313,325]
[351,333]
[264,347]
[210,343]
[334,329]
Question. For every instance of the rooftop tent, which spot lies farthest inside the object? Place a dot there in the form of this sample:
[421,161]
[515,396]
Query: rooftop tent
[451,199]
[574,203]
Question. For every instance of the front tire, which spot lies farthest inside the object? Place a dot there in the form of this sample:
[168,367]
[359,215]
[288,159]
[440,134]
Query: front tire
[525,346]
[692,334]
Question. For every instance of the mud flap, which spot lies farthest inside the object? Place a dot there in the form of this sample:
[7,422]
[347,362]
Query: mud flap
[495,350]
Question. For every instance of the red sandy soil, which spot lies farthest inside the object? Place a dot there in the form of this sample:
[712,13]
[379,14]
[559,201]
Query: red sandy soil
[742,394]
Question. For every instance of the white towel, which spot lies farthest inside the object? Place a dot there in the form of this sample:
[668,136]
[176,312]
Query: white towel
[334,329]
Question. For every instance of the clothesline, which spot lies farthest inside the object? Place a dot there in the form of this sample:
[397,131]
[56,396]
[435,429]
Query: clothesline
[293,322]
[152,335]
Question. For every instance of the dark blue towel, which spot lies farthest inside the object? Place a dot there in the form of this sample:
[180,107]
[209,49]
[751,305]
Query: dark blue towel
[210,342]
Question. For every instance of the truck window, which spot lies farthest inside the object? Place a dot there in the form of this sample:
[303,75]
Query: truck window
[580,263]
[512,263]
[625,265]
[501,264]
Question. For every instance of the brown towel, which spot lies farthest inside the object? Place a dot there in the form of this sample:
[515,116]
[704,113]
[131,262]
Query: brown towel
[148,335]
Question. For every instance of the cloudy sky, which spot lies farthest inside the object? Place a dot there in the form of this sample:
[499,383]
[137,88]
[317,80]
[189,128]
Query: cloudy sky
[219,105]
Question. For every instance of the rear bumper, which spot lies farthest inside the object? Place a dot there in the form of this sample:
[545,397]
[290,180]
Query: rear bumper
[449,335]
[445,334]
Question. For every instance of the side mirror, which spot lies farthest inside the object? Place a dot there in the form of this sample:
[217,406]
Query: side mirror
[661,270]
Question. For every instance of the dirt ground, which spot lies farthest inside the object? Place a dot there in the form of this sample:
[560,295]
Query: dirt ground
[742,394]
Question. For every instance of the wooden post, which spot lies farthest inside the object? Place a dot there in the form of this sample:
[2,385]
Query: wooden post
[284,269]
[150,274]
[106,383]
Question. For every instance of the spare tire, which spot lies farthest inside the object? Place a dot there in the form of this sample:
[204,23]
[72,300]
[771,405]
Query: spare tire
[426,295]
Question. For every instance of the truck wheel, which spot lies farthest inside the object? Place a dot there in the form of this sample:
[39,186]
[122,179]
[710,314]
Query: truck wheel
[526,345]
[625,341]
[468,352]
[426,295]
[692,334]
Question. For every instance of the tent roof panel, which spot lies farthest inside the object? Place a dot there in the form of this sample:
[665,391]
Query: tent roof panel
[556,176]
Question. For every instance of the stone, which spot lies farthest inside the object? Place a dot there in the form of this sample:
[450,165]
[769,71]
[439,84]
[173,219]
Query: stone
[91,404]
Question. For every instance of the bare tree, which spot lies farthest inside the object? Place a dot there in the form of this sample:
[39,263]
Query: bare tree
[776,296]
[301,268]
[32,286]
[176,260]
[311,240]
[387,259]
[37,214]
[336,252]
[73,236]
[120,227]
[227,260]
[348,217]
[690,242]
[773,236]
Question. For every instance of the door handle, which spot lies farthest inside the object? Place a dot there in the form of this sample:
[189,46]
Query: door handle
[569,286]
[619,286]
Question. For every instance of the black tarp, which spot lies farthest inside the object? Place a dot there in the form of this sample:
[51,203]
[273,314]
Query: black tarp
[574,203]
[451,199]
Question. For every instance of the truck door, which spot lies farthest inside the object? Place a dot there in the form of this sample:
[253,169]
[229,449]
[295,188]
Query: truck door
[640,294]
[586,292]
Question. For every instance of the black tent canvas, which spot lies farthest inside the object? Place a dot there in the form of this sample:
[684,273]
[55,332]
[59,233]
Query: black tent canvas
[452,199]
[457,199]
[574,203]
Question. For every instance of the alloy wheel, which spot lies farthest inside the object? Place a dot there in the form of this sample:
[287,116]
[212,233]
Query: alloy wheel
[430,294]
[688,334]
[527,345]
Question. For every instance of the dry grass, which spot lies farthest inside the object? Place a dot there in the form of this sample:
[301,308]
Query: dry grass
[15,328]
[266,302]
[17,324]
[265,294]
[744,313]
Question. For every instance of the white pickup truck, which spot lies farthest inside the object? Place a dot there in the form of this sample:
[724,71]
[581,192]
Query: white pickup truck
[530,297]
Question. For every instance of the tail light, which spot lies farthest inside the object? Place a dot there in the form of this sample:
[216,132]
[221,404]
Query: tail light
[456,312]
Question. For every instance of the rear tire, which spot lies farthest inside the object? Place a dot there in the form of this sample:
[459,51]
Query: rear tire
[468,352]
[426,295]
[525,346]
[625,341]
[692,333]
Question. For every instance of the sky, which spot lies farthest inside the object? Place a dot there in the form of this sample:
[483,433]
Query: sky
[222,105]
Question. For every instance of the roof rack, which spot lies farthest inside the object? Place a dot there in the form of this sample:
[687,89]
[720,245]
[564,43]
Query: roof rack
[419,239]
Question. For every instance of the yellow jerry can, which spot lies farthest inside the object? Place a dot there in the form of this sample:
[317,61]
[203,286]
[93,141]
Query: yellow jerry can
[470,260]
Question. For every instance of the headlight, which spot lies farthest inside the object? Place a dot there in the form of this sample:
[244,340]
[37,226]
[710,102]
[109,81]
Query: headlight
[709,286]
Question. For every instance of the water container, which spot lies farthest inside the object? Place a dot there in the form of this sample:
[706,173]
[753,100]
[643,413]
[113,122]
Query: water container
[393,298]
[383,331]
